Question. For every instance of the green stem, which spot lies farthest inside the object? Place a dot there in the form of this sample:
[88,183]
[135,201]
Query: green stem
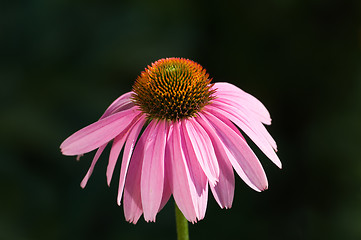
[182,224]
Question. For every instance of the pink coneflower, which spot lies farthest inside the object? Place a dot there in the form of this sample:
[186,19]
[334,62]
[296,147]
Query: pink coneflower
[190,141]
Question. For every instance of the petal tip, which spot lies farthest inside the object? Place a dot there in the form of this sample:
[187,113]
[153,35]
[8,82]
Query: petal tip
[83,184]
[149,219]
[278,164]
[213,182]
[109,179]
[133,220]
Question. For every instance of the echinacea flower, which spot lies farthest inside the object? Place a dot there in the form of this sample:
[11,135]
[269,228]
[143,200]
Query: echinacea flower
[190,141]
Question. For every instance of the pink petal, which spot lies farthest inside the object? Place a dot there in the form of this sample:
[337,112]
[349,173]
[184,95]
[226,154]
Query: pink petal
[250,128]
[180,180]
[186,184]
[118,144]
[128,150]
[241,152]
[200,147]
[254,129]
[132,196]
[152,180]
[226,153]
[121,103]
[228,90]
[244,107]
[230,125]
[247,117]
[197,175]
[90,171]
[167,191]
[98,133]
[223,192]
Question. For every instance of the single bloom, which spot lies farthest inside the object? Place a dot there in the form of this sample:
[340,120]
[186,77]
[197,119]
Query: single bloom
[179,134]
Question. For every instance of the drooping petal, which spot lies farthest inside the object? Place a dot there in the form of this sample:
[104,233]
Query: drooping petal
[121,103]
[196,173]
[230,125]
[90,170]
[250,128]
[228,90]
[167,191]
[118,144]
[246,117]
[98,133]
[182,186]
[241,152]
[200,147]
[237,104]
[132,202]
[152,180]
[128,150]
[218,144]
[223,192]
[254,129]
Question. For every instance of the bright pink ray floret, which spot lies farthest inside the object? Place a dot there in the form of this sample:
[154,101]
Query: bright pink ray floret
[180,158]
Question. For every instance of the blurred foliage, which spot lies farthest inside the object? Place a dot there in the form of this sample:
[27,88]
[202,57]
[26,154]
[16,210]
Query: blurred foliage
[63,62]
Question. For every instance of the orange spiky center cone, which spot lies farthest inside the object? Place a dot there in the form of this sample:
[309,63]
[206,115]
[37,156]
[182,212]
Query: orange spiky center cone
[172,89]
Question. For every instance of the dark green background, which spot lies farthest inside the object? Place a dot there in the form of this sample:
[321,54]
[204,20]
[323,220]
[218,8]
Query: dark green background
[64,62]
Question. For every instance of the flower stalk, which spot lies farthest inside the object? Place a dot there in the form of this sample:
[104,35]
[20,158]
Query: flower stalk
[181,224]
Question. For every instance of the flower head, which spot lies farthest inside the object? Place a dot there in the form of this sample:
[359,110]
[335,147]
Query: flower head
[172,89]
[190,141]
